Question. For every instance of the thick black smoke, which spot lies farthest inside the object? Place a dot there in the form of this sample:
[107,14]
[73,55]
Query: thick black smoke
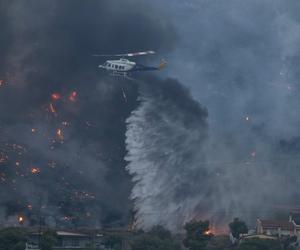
[63,158]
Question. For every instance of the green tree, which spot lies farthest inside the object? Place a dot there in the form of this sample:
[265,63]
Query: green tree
[12,239]
[221,242]
[238,227]
[158,238]
[197,235]
[113,242]
[259,244]
[48,239]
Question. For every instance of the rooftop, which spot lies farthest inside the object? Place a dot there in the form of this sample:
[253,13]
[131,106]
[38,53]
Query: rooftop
[275,224]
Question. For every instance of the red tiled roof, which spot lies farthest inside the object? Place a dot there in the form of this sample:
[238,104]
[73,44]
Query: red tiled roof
[275,224]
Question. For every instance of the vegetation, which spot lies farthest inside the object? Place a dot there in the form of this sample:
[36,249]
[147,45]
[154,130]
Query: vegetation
[221,242]
[259,244]
[197,235]
[158,238]
[238,227]
[12,239]
[288,243]
[48,240]
[113,242]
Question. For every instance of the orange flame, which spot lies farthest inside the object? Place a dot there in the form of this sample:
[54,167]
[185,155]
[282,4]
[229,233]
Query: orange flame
[72,96]
[35,170]
[21,219]
[55,96]
[59,134]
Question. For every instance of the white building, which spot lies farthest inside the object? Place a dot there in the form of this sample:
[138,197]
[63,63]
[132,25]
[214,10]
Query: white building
[278,228]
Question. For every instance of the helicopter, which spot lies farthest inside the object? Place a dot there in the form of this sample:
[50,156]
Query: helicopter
[125,67]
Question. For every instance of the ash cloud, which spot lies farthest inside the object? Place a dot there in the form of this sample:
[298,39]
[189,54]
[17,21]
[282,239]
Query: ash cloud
[46,48]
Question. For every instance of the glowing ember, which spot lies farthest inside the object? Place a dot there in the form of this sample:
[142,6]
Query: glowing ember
[208,232]
[33,130]
[59,134]
[52,109]
[35,170]
[21,219]
[55,96]
[72,96]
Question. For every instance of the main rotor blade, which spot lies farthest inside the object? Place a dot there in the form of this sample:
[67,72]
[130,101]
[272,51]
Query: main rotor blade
[150,52]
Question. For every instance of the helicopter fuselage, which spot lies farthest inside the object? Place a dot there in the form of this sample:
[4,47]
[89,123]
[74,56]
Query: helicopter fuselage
[121,65]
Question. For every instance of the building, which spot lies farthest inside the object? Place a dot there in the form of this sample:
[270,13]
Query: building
[69,241]
[278,228]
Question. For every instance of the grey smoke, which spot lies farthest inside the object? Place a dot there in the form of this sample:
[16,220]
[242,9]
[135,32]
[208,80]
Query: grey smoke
[241,61]
[165,140]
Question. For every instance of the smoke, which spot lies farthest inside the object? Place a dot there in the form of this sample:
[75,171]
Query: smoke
[240,60]
[62,157]
[165,138]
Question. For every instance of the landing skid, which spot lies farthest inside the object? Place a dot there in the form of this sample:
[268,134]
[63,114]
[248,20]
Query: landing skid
[116,73]
[124,75]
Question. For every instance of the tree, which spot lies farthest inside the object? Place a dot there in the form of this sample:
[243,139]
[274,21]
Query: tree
[12,239]
[259,244]
[197,235]
[221,242]
[289,242]
[238,227]
[48,239]
[158,238]
[113,242]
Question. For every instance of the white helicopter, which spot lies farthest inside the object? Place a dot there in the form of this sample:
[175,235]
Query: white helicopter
[124,67]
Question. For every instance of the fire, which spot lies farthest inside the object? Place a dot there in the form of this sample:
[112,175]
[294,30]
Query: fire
[55,96]
[72,96]
[59,134]
[52,109]
[35,170]
[207,232]
[21,219]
